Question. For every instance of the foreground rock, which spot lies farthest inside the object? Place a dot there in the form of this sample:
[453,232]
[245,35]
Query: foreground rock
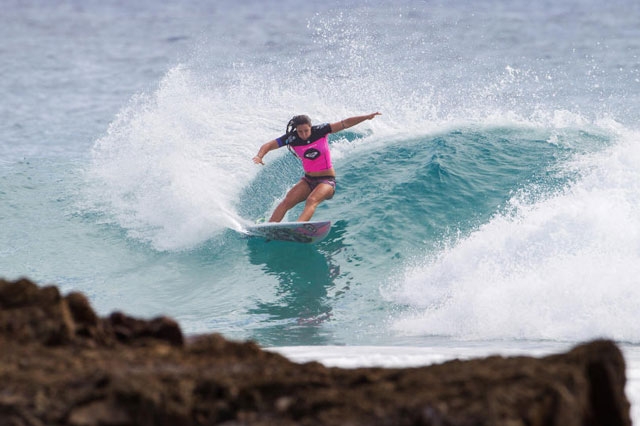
[60,364]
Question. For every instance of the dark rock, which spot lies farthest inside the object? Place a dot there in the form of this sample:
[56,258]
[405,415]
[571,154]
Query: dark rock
[128,329]
[30,313]
[60,364]
[81,310]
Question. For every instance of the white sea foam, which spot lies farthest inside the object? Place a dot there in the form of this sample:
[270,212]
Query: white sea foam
[565,267]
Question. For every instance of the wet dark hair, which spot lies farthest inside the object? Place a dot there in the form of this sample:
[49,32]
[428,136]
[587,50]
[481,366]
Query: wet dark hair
[297,121]
[291,128]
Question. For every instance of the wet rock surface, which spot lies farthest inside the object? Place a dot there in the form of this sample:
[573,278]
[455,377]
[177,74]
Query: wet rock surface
[61,364]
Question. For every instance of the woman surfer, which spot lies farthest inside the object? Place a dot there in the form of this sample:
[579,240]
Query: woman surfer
[310,145]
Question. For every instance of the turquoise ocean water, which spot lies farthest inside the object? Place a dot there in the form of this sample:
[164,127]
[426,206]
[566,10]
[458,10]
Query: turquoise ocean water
[494,206]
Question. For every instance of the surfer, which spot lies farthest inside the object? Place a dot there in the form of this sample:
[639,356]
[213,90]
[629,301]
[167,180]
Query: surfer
[310,145]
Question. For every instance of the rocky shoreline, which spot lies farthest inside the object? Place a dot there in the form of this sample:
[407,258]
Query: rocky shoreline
[61,364]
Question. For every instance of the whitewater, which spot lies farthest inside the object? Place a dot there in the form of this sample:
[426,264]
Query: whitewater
[493,207]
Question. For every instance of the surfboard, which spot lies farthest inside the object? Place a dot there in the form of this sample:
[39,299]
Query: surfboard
[299,232]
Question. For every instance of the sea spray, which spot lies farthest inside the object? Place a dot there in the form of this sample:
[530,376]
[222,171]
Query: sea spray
[162,170]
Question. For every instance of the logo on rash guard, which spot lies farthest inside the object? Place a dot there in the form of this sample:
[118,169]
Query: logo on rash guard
[311,154]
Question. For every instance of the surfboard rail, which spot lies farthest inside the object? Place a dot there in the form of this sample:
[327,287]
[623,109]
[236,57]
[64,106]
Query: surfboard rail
[299,232]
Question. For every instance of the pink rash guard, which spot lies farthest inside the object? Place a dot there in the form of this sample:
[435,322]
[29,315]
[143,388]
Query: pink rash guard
[314,152]
[316,156]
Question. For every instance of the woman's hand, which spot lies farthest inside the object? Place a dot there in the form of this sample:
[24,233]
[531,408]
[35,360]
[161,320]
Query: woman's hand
[264,149]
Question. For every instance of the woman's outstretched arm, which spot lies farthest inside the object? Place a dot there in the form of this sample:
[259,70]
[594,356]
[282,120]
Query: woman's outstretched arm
[351,121]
